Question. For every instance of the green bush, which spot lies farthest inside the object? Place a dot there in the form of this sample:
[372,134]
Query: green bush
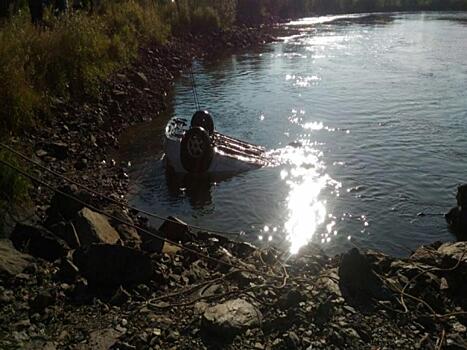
[18,97]
[204,20]
[13,190]
[70,56]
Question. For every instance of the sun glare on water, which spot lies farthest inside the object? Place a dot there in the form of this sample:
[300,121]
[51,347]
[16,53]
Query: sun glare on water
[306,178]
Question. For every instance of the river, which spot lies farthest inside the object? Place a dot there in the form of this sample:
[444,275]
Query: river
[379,106]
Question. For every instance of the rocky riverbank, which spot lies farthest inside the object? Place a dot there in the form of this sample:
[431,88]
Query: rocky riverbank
[84,281]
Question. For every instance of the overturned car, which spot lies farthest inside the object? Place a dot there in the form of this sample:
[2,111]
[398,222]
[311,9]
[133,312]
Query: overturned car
[196,147]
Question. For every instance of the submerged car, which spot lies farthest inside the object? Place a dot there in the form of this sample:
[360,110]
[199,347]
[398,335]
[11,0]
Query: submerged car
[196,147]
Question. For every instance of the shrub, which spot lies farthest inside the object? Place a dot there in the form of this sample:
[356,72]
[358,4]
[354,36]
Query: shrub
[70,56]
[13,190]
[205,19]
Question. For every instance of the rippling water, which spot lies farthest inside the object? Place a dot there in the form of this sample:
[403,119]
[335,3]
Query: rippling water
[379,106]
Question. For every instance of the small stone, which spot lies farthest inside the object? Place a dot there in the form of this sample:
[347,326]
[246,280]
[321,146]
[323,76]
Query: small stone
[459,327]
[293,341]
[120,297]
[42,300]
[229,318]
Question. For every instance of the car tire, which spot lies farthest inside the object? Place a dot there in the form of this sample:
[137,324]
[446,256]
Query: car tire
[196,150]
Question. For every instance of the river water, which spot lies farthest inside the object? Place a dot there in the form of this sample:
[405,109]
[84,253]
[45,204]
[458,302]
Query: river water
[379,106]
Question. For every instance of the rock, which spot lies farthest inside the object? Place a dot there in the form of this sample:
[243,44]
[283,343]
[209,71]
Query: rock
[455,251]
[12,262]
[57,150]
[170,249]
[41,153]
[329,281]
[427,255]
[143,80]
[38,242]
[231,317]
[67,271]
[39,344]
[103,339]
[292,298]
[455,254]
[63,206]
[93,227]
[126,232]
[154,245]
[357,281]
[41,301]
[120,297]
[323,313]
[66,231]
[461,196]
[113,265]
[175,230]
[457,222]
[292,341]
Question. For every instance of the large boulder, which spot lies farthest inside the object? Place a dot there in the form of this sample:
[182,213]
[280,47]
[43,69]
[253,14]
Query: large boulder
[457,222]
[358,282]
[230,318]
[93,227]
[65,206]
[455,255]
[113,265]
[38,242]
[12,262]
[66,231]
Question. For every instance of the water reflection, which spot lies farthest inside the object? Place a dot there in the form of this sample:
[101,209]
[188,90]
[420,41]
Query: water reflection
[305,177]
[197,189]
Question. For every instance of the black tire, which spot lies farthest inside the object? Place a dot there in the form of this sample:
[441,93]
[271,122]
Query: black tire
[196,150]
[204,120]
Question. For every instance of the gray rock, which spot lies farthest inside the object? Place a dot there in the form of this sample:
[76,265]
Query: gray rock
[358,282]
[102,339]
[58,150]
[229,318]
[126,232]
[143,80]
[41,301]
[292,341]
[175,230]
[120,297]
[113,265]
[454,250]
[64,206]
[12,262]
[38,242]
[66,231]
[461,196]
[67,271]
[93,227]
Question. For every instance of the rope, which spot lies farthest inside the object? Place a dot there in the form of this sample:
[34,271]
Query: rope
[111,200]
[56,190]
[193,88]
